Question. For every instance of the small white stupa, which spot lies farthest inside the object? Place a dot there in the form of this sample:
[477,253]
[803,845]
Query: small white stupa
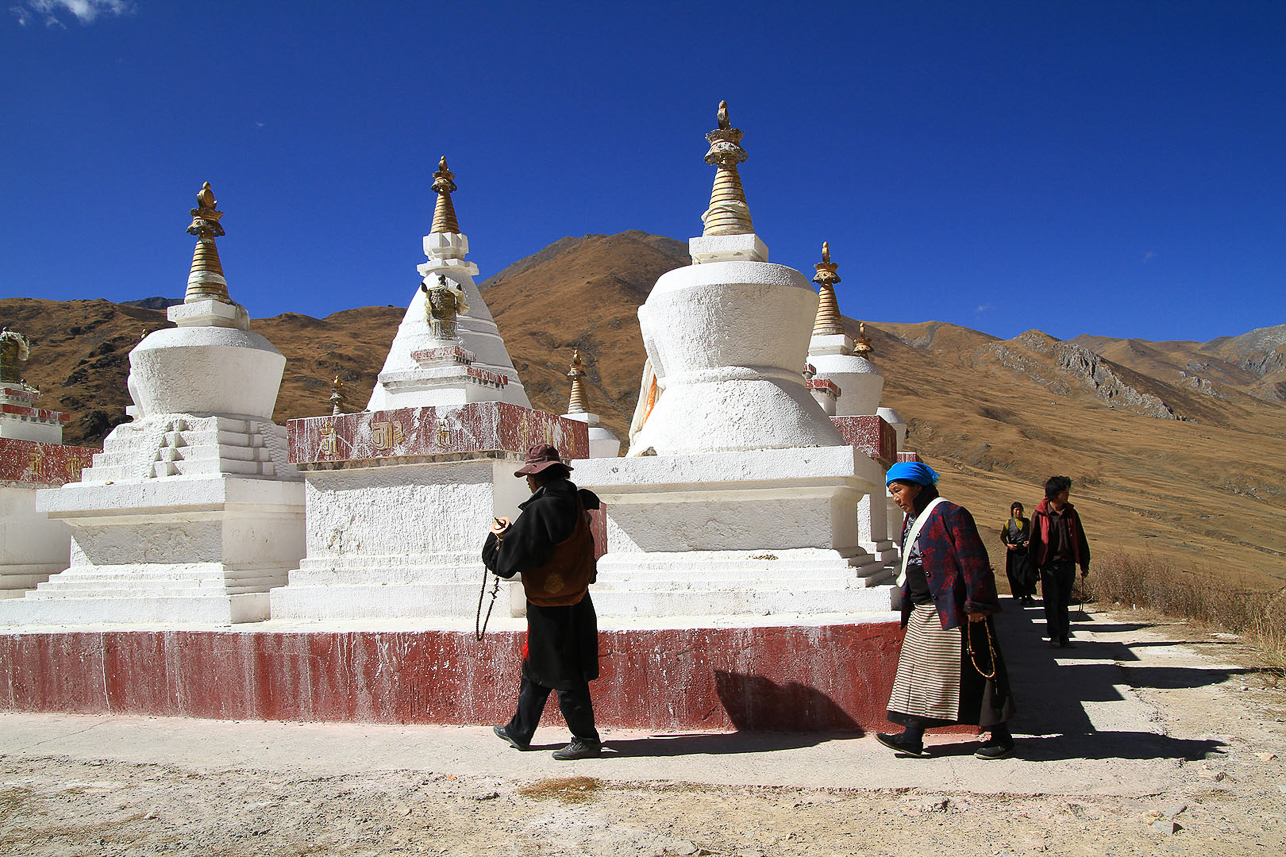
[401,495]
[739,496]
[32,456]
[833,353]
[192,511]
[602,442]
[448,350]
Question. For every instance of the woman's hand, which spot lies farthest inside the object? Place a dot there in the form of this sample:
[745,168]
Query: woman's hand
[499,527]
[977,617]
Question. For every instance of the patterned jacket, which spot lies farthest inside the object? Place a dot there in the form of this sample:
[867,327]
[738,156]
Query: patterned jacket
[956,565]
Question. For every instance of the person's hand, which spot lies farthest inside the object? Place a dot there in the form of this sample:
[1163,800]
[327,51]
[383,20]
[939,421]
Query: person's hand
[1085,571]
[499,526]
[977,617]
[1011,547]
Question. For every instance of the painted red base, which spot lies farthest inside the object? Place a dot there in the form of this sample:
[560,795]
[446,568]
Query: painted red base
[797,679]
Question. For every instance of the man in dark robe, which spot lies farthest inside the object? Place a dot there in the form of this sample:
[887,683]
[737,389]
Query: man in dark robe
[550,545]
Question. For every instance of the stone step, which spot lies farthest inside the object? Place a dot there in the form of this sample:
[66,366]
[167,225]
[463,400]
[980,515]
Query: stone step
[218,609]
[741,602]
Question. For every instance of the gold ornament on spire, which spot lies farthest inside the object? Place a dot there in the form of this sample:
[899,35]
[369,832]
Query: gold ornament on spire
[205,279]
[728,213]
[576,405]
[444,212]
[338,397]
[828,320]
[863,346]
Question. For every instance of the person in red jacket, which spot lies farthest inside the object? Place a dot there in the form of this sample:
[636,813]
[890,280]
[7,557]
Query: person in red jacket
[551,546]
[1058,545]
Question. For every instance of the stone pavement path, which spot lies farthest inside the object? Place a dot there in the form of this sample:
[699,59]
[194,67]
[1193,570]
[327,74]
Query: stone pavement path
[1129,740]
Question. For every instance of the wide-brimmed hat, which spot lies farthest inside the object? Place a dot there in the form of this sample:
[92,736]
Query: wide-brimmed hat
[541,457]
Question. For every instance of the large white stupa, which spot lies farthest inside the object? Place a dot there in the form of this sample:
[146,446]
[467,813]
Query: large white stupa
[739,496]
[192,512]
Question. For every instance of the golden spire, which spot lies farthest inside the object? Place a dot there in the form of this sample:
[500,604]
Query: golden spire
[444,212]
[577,403]
[205,279]
[863,347]
[828,318]
[728,213]
[338,397]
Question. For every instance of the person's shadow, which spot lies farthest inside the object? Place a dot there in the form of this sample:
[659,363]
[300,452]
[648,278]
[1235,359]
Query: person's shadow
[1054,687]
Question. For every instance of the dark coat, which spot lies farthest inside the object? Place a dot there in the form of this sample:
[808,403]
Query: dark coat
[956,566]
[1041,521]
[562,641]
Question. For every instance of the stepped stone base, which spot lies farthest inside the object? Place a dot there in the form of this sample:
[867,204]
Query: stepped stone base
[399,503]
[738,533]
[178,549]
[829,673]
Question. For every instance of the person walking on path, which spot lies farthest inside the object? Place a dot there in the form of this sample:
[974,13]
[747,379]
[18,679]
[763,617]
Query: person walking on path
[1057,546]
[1014,535]
[551,546]
[950,670]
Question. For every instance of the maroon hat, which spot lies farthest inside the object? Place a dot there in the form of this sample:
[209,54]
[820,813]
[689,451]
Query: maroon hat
[541,457]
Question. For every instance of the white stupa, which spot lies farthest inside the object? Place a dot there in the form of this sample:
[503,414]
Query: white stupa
[32,456]
[602,442]
[835,356]
[431,365]
[739,496]
[401,495]
[192,511]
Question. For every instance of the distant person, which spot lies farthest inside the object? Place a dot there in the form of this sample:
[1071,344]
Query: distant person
[550,545]
[950,670]
[1057,546]
[1015,535]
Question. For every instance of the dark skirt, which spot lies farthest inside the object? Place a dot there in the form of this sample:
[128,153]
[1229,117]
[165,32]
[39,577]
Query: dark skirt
[939,683]
[562,645]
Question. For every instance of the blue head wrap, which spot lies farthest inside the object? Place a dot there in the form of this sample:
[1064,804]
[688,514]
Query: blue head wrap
[911,471]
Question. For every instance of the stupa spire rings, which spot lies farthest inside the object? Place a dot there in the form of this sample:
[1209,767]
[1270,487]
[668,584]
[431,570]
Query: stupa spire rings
[829,321]
[205,278]
[728,213]
[576,405]
[444,219]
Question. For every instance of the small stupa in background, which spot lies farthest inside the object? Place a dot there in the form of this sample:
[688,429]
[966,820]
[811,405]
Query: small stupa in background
[834,354]
[602,442]
[191,512]
[32,456]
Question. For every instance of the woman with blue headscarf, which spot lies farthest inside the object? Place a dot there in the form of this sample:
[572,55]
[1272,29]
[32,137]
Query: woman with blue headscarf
[950,671]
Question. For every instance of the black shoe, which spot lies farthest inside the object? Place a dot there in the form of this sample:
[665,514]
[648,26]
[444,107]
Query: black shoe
[1066,644]
[579,749]
[995,749]
[1053,644]
[901,744]
[1029,601]
[502,733]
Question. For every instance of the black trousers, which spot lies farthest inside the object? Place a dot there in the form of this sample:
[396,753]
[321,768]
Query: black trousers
[1056,580]
[575,705]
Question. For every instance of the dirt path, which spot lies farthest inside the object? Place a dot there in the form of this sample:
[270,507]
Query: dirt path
[1142,740]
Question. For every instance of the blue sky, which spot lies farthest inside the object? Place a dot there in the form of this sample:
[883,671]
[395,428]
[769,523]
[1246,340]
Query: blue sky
[1115,168]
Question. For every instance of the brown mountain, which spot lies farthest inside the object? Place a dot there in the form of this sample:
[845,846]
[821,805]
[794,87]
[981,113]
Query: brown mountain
[1174,448]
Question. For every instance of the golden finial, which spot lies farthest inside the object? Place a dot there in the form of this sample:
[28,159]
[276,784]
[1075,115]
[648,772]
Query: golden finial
[728,213]
[863,346]
[444,212]
[828,320]
[338,397]
[576,405]
[205,278]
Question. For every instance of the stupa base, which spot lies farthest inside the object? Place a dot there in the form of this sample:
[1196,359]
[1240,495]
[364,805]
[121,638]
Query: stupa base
[803,675]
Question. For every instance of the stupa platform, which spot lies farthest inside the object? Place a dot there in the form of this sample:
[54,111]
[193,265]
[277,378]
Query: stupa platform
[781,673]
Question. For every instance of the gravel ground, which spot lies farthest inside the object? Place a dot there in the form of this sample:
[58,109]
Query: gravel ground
[1223,792]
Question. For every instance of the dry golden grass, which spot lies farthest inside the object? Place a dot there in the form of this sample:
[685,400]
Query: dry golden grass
[1197,594]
